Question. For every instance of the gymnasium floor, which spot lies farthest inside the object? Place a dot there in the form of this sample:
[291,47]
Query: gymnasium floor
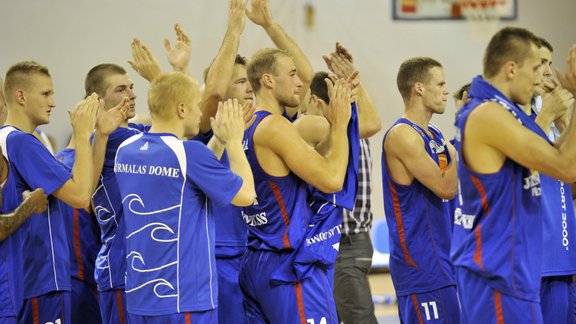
[381,285]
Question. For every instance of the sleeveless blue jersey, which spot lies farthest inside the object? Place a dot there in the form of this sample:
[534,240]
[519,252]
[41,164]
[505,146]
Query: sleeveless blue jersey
[110,265]
[82,232]
[44,245]
[323,236]
[165,185]
[279,218]
[497,231]
[419,224]
[231,232]
[558,226]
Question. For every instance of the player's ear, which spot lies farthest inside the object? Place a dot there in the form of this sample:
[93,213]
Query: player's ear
[418,87]
[267,80]
[181,110]
[510,68]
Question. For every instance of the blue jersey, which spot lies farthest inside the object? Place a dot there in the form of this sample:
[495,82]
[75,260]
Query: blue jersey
[82,231]
[419,224]
[11,281]
[323,236]
[44,245]
[111,261]
[165,184]
[278,220]
[558,226]
[231,232]
[497,230]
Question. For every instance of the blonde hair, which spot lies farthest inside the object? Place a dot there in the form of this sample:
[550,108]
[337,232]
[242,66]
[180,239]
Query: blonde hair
[263,61]
[168,90]
[18,76]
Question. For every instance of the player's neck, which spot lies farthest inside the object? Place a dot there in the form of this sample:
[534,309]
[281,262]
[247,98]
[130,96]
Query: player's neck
[418,115]
[267,102]
[169,127]
[21,122]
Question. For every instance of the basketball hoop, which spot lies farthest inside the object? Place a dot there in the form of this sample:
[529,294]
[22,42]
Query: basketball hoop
[482,16]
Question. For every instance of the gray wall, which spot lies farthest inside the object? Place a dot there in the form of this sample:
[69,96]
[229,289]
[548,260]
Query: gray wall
[71,36]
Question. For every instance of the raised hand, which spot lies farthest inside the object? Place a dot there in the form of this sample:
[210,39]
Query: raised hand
[568,79]
[343,52]
[236,15]
[143,61]
[83,117]
[260,14]
[179,55]
[109,120]
[338,112]
[36,199]
[228,124]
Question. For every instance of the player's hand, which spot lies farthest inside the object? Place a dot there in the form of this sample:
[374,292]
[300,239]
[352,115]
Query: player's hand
[338,111]
[109,120]
[228,124]
[248,110]
[260,14]
[343,52]
[568,79]
[179,55]
[83,117]
[237,15]
[36,199]
[557,102]
[143,61]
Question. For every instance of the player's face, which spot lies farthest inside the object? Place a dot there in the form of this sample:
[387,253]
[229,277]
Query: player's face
[287,84]
[435,92]
[546,70]
[239,87]
[527,77]
[39,96]
[120,86]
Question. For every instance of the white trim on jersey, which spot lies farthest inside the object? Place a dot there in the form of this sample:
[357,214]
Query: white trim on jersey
[177,146]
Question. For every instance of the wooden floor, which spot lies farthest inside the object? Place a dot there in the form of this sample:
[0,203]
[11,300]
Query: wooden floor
[381,286]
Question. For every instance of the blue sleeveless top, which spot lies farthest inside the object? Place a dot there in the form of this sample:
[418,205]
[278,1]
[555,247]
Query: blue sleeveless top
[419,224]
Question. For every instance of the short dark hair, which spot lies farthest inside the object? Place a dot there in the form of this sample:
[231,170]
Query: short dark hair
[414,70]
[508,44]
[318,86]
[545,43]
[458,94]
[239,59]
[96,78]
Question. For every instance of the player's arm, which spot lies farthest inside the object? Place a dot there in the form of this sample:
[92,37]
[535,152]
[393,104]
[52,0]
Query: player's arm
[228,126]
[220,72]
[492,134]
[77,191]
[34,202]
[313,129]
[340,63]
[324,172]
[407,160]
[260,15]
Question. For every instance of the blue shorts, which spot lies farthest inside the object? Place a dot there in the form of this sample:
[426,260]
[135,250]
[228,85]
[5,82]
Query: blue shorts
[207,317]
[306,301]
[53,307]
[230,301]
[8,320]
[85,308]
[113,307]
[558,299]
[480,303]
[436,306]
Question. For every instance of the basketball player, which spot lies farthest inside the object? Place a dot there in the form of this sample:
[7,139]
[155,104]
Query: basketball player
[497,242]
[418,174]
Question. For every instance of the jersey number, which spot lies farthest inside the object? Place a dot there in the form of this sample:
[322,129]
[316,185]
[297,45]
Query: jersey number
[427,309]
[311,321]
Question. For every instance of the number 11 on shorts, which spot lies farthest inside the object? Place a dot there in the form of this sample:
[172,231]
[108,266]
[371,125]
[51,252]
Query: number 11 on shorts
[427,307]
